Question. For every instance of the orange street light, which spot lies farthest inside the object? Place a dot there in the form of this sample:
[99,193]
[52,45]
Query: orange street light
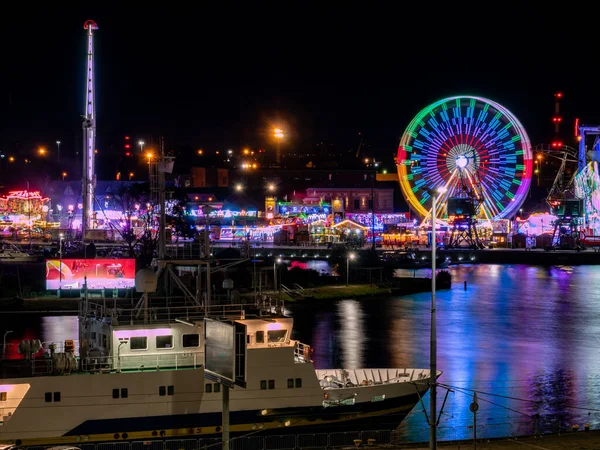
[64,175]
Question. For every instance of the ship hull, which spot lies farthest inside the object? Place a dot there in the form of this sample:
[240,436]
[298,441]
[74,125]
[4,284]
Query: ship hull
[381,416]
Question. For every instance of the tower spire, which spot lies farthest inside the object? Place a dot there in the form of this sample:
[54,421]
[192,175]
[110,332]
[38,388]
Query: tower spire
[89,136]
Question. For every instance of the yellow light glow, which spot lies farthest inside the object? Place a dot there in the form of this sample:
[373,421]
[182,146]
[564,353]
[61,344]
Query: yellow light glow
[238,187]
[278,133]
[42,151]
[200,151]
[149,155]
[11,159]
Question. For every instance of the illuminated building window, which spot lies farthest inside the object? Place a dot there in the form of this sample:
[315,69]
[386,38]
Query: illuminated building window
[3,396]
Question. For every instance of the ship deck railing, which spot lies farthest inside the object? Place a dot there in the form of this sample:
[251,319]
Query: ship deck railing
[140,363]
[169,310]
[341,378]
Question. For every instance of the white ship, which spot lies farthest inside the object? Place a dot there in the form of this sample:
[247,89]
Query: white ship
[141,375]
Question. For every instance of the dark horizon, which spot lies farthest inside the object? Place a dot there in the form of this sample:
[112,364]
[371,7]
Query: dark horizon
[224,82]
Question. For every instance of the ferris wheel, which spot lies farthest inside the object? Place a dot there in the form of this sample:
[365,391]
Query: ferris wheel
[472,147]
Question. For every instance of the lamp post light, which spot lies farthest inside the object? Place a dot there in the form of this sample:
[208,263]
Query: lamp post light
[141,144]
[350,256]
[433,337]
[57,151]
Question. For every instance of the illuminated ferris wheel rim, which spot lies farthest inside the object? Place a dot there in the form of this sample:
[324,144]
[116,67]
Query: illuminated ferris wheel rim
[466,159]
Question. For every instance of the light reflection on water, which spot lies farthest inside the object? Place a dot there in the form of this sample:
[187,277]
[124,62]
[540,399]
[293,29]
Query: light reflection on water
[525,338]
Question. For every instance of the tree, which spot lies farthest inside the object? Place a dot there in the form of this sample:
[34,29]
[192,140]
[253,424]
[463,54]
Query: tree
[134,200]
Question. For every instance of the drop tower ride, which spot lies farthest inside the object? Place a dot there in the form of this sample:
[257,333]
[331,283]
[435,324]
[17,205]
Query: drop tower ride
[89,136]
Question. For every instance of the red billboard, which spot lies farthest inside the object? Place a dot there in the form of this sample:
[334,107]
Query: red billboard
[99,273]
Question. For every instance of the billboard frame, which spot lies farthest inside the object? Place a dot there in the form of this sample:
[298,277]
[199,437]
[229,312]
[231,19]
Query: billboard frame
[238,359]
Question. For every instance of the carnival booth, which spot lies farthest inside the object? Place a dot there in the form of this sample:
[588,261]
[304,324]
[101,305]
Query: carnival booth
[352,233]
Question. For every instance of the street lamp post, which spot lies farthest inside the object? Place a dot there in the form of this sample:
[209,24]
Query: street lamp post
[278,133]
[141,144]
[433,336]
[58,151]
[60,255]
[350,256]
[277,261]
[6,333]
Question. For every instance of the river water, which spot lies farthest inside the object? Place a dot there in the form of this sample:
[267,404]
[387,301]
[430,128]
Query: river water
[526,339]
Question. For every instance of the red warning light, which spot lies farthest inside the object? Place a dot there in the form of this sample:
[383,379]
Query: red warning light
[576,127]
[127,146]
[558,95]
[127,154]
[557,144]
[126,138]
[557,119]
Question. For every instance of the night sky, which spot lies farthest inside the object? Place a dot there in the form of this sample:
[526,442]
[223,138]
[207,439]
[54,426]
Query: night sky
[217,79]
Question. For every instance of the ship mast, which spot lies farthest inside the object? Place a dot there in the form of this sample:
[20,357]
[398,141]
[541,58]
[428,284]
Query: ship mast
[89,136]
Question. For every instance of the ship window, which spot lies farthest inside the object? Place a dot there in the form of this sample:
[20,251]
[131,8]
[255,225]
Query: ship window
[208,388]
[115,393]
[171,390]
[298,382]
[104,341]
[217,388]
[263,384]
[48,397]
[271,384]
[276,335]
[162,390]
[164,342]
[57,396]
[191,340]
[2,396]
[260,337]
[290,383]
[138,343]
[124,393]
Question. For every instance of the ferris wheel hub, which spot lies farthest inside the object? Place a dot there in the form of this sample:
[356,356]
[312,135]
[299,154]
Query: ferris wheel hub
[462,161]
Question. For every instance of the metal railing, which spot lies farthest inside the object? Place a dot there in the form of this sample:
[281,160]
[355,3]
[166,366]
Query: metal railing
[333,440]
[141,362]
[178,309]
[275,442]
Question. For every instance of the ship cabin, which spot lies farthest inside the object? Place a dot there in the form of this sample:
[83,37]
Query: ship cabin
[175,344]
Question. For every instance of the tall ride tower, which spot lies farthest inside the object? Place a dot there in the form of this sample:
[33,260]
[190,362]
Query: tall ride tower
[89,136]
